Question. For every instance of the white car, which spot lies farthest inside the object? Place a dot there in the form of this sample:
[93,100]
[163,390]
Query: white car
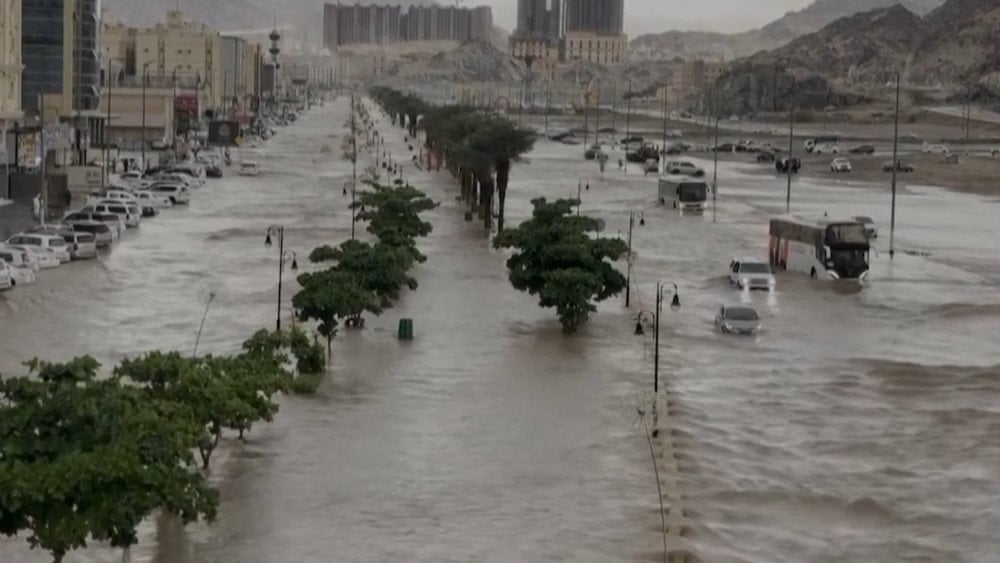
[21,271]
[113,221]
[39,259]
[827,148]
[6,279]
[249,168]
[42,243]
[738,319]
[184,179]
[934,149]
[840,165]
[751,273]
[176,193]
[683,167]
[158,201]
[129,215]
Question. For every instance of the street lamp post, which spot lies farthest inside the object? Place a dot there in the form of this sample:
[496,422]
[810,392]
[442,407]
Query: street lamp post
[173,108]
[145,78]
[895,166]
[628,277]
[628,121]
[791,147]
[675,305]
[283,256]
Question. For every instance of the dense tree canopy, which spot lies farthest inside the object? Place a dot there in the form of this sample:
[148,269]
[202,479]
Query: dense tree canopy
[557,258]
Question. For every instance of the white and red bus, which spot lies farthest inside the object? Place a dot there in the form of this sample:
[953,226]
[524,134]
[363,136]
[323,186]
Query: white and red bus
[823,247]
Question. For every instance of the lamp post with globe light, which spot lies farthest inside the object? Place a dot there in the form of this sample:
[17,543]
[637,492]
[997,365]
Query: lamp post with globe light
[283,256]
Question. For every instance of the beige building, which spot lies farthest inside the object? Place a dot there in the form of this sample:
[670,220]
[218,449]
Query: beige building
[179,47]
[10,63]
[596,48]
[688,78]
[543,54]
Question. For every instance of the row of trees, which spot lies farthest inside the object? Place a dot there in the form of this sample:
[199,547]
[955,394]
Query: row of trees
[556,255]
[86,457]
[366,277]
[478,146]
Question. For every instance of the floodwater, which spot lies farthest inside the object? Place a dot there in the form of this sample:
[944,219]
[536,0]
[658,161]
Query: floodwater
[861,425]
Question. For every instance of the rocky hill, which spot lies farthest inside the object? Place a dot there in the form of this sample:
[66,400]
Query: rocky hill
[696,44]
[954,48]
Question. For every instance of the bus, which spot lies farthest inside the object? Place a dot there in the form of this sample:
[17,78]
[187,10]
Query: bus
[822,247]
[684,193]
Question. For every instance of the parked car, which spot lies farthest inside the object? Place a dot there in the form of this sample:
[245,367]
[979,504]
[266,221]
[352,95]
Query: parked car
[102,233]
[177,193]
[840,165]
[871,230]
[156,201]
[934,149]
[39,258]
[737,319]
[751,273]
[249,168]
[724,147]
[42,243]
[788,165]
[81,245]
[863,149]
[900,166]
[21,272]
[6,278]
[130,216]
[684,167]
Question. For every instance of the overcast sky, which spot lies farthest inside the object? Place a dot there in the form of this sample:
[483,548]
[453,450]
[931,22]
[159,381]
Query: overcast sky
[650,16]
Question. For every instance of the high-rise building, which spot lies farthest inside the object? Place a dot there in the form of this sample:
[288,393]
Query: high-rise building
[183,49]
[603,17]
[595,31]
[60,42]
[539,19]
[345,25]
[10,64]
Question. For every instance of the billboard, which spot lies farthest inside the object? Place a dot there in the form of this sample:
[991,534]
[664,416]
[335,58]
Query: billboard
[224,133]
[186,106]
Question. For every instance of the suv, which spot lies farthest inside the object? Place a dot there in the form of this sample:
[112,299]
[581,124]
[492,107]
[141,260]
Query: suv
[120,209]
[6,280]
[684,167]
[751,273]
[113,221]
[40,243]
[102,233]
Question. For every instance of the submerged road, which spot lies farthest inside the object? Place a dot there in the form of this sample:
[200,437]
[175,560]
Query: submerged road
[860,426]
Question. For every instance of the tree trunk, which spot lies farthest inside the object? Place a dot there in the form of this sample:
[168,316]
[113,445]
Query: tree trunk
[329,348]
[473,193]
[503,175]
[487,196]
[57,556]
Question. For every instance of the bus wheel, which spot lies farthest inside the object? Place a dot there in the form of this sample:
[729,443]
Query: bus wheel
[812,274]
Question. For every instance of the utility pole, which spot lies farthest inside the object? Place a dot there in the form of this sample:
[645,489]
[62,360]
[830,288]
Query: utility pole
[628,121]
[145,66]
[354,167]
[663,148]
[791,146]
[44,208]
[715,169]
[895,166]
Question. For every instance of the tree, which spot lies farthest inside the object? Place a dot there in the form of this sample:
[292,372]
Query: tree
[331,295]
[380,268]
[393,215]
[500,140]
[89,459]
[557,260]
[216,392]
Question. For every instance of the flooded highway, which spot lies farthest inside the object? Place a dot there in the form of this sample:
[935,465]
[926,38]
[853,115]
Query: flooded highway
[860,425]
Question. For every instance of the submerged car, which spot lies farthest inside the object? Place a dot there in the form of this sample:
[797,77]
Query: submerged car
[900,166]
[751,273]
[737,319]
[684,167]
[863,149]
[840,165]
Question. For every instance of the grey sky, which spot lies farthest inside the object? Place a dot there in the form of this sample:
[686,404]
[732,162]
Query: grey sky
[649,16]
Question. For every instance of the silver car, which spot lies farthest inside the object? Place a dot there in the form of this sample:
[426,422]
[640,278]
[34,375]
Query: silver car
[737,319]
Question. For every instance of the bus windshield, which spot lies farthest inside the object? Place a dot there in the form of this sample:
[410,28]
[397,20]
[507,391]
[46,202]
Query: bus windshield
[691,192]
[847,233]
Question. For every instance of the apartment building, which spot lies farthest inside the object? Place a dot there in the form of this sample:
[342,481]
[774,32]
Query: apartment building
[345,25]
[60,50]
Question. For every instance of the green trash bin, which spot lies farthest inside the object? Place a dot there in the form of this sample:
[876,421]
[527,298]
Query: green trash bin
[406,329]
